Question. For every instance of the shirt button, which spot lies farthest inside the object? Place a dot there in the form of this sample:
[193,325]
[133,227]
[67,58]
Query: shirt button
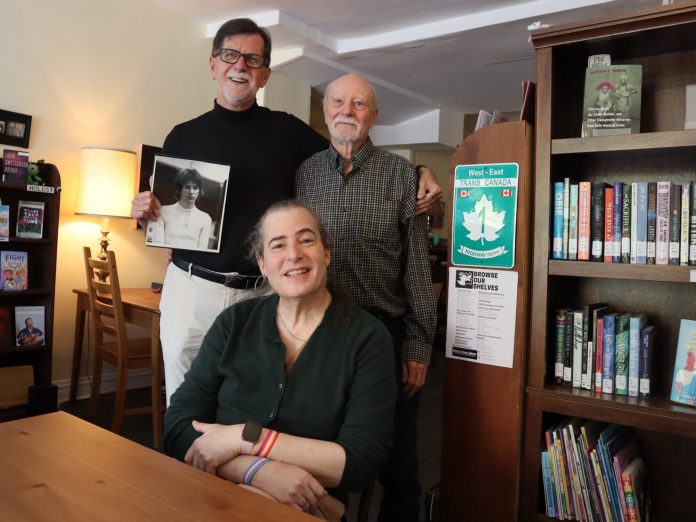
[280,385]
[271,414]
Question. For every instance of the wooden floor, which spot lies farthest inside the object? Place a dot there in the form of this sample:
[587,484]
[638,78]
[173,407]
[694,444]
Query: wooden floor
[139,428]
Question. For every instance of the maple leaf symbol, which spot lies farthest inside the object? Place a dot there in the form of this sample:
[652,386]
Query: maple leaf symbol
[464,278]
[483,223]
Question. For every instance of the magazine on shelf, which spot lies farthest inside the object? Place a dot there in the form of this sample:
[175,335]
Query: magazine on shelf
[192,194]
[611,104]
[30,326]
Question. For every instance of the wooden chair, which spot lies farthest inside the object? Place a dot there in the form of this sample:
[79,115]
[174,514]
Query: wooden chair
[107,319]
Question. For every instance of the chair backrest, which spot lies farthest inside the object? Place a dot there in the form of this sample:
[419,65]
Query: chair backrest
[105,299]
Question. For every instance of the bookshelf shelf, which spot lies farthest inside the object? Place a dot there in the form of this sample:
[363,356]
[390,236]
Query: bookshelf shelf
[662,151]
[663,273]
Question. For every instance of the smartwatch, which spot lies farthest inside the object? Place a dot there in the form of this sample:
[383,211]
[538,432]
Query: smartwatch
[250,436]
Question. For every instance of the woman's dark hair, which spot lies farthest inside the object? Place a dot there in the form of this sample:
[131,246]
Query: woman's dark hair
[188,176]
[243,26]
[255,241]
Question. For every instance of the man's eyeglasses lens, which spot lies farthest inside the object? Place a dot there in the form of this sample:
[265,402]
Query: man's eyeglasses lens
[254,61]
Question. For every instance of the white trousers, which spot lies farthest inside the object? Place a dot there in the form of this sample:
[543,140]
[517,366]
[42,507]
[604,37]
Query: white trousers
[188,308]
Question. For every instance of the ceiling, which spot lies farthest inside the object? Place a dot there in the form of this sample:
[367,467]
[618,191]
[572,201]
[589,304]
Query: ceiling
[423,56]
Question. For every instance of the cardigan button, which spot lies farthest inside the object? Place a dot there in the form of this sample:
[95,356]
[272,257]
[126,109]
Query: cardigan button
[271,414]
[280,385]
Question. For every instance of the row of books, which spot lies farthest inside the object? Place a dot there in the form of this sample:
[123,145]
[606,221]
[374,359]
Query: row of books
[604,351]
[14,270]
[29,324]
[593,472]
[30,218]
[639,223]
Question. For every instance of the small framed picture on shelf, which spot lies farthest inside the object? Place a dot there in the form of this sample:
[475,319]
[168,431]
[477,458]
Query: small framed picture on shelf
[684,380]
[14,128]
[30,326]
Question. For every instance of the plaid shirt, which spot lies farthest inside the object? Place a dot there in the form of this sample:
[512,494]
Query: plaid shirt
[380,251]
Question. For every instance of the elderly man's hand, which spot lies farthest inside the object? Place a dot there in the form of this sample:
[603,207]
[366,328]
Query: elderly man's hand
[429,191]
[145,206]
[413,377]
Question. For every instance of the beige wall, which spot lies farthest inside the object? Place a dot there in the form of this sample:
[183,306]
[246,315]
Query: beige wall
[114,73]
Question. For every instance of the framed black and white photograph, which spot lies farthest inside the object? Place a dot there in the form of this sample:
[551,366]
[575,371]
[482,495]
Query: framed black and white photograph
[193,195]
[14,128]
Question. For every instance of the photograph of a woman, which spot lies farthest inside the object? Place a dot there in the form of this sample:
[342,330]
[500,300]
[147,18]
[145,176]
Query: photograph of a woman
[192,195]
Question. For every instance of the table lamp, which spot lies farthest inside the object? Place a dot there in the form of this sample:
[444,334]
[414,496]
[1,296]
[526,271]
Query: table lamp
[107,186]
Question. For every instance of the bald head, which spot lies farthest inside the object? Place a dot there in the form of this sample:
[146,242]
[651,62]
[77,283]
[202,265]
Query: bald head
[350,110]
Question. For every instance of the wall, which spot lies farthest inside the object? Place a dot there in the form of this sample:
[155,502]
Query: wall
[115,73]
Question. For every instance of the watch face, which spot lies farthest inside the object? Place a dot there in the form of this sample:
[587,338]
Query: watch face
[251,431]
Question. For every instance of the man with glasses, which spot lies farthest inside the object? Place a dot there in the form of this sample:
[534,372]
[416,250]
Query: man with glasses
[264,148]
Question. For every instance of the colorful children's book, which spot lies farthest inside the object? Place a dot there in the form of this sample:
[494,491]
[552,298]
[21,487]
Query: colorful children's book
[684,380]
[30,217]
[4,223]
[14,270]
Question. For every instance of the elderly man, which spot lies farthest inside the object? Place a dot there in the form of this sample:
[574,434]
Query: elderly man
[264,148]
[366,197]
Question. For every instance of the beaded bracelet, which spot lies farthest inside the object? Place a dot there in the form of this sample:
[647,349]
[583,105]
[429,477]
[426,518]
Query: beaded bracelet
[252,469]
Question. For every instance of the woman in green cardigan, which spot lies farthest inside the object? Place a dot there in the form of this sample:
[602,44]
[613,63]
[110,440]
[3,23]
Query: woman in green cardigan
[292,393]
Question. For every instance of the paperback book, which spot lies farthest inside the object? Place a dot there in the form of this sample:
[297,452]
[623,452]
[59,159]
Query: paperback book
[15,164]
[684,380]
[30,326]
[30,216]
[4,223]
[14,270]
[612,100]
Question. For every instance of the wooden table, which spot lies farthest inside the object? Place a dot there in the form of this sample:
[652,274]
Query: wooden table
[59,467]
[141,307]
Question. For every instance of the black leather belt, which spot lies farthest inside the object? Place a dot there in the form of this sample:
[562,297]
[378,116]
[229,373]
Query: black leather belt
[237,281]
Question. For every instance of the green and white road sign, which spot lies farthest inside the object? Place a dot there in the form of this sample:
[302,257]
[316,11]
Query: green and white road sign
[485,215]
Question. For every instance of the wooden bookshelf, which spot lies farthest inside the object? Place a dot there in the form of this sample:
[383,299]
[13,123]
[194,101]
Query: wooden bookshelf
[42,279]
[661,40]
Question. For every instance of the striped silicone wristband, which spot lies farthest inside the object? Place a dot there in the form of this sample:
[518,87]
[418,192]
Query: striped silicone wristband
[252,469]
[268,443]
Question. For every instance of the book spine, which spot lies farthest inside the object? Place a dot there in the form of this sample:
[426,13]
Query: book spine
[692,224]
[608,354]
[642,223]
[626,225]
[618,220]
[584,370]
[634,222]
[674,223]
[577,348]
[636,324]
[662,223]
[684,226]
[652,215]
[548,494]
[584,198]
[573,223]
[630,499]
[576,489]
[566,215]
[608,224]
[599,354]
[601,484]
[560,345]
[563,467]
[557,245]
[621,355]
[568,351]
[597,223]
[647,339]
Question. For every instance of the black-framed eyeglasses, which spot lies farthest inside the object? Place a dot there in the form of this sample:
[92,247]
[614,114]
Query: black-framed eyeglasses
[255,61]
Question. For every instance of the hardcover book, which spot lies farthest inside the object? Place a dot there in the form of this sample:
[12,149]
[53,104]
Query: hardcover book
[674,223]
[611,104]
[652,222]
[14,270]
[684,226]
[573,223]
[15,164]
[577,348]
[662,223]
[30,326]
[608,224]
[621,355]
[626,225]
[30,216]
[566,215]
[560,321]
[636,324]
[599,352]
[684,380]
[617,222]
[557,249]
[692,223]
[584,202]
[641,220]
[4,223]
[647,342]
[597,222]
[609,353]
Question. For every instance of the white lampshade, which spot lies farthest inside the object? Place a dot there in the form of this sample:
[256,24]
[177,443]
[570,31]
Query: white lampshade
[107,182]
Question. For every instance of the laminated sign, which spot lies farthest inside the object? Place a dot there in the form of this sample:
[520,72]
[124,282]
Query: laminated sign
[485,215]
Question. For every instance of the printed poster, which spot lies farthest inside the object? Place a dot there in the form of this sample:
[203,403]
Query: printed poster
[485,215]
[481,314]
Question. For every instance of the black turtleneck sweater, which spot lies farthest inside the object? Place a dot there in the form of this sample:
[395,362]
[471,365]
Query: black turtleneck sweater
[263,148]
